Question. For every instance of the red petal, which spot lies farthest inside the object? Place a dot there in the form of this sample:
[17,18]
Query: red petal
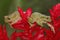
[55,16]
[57,36]
[48,34]
[1,32]
[22,14]
[5,33]
[20,11]
[21,25]
[28,12]
[39,35]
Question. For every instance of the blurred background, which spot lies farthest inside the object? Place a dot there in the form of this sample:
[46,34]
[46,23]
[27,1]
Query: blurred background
[9,6]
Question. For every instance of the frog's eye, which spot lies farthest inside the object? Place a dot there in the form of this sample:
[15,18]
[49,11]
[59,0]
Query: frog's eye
[8,18]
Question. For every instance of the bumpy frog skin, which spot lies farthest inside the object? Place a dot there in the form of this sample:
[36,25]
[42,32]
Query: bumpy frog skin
[39,18]
[35,17]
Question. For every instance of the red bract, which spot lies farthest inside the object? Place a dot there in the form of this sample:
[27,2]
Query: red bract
[22,35]
[15,35]
[38,35]
[55,16]
[49,35]
[3,33]
[23,23]
[25,15]
[34,33]
[57,36]
[37,32]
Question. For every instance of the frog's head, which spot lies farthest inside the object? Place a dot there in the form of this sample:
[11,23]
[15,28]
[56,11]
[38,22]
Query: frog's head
[18,15]
[12,18]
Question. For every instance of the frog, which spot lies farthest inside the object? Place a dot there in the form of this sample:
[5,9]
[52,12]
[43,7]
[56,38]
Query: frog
[39,18]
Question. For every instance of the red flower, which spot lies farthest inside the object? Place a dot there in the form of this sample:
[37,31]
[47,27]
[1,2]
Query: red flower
[35,33]
[23,24]
[49,35]
[55,16]
[57,36]
[3,33]
[15,35]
